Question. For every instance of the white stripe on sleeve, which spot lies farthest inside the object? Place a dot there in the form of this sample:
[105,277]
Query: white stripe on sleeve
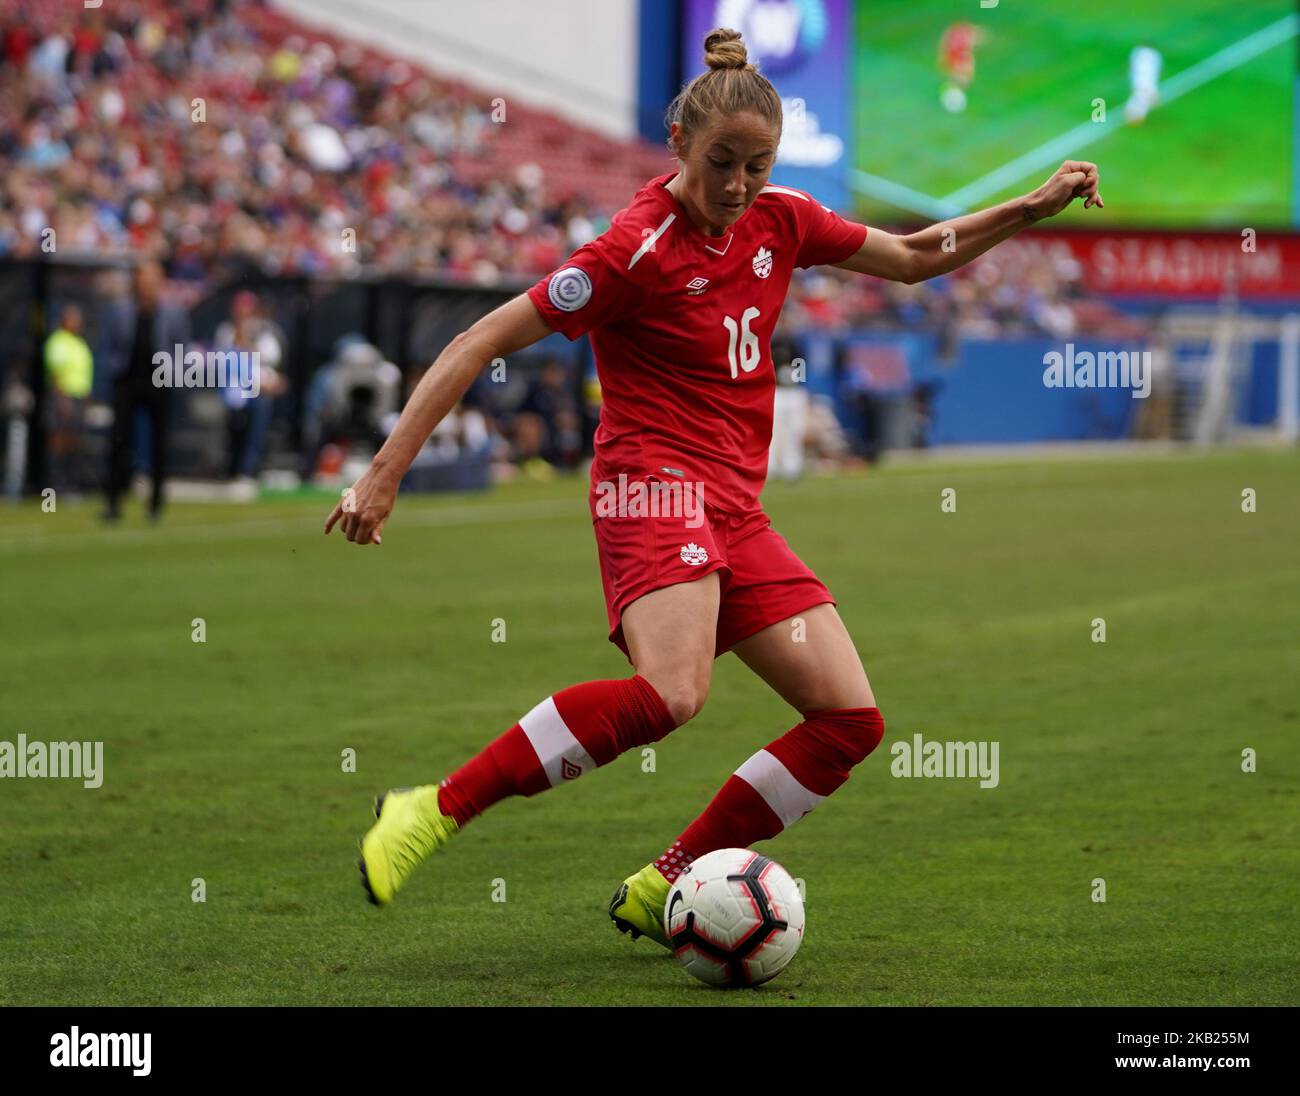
[649,243]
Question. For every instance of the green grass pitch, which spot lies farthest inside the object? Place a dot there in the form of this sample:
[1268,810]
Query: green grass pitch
[1119,761]
[1221,155]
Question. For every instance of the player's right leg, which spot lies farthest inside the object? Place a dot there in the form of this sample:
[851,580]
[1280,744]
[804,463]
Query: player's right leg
[670,634]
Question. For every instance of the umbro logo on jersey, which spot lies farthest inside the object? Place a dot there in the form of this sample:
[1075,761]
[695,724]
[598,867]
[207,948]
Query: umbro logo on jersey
[694,555]
[696,286]
[763,262]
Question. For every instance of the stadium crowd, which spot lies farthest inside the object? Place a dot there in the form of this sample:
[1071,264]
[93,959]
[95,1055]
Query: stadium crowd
[305,151]
[142,127]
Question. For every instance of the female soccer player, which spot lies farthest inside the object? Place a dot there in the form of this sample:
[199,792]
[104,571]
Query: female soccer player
[680,297]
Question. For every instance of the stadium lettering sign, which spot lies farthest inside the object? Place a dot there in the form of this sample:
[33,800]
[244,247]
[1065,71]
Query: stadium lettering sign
[1183,265]
[1191,264]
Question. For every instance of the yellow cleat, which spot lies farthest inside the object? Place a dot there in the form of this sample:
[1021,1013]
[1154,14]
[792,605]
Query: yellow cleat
[409,829]
[638,905]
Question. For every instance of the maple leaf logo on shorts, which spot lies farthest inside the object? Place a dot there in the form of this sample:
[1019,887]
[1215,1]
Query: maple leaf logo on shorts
[694,555]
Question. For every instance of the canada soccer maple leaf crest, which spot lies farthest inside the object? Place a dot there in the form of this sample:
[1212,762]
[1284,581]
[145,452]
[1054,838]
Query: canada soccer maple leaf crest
[693,554]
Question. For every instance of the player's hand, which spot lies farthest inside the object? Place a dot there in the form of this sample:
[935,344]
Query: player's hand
[1073,179]
[364,508]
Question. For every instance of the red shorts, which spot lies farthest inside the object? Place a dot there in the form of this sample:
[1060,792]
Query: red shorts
[762,581]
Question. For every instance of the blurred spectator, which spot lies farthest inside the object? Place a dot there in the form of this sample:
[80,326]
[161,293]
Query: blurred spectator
[877,383]
[922,420]
[248,331]
[138,328]
[16,403]
[827,445]
[548,424]
[349,401]
[464,431]
[70,367]
[790,407]
[1155,414]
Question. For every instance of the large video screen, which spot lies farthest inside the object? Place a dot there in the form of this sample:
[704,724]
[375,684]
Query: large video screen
[917,110]
[1186,105]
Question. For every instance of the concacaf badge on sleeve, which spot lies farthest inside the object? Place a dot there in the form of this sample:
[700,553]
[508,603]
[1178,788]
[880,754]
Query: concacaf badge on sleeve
[569,289]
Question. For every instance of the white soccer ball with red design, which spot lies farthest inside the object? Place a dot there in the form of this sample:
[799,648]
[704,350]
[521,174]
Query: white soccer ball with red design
[734,918]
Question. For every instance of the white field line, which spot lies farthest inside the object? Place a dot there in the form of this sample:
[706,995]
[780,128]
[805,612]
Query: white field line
[1067,145]
[491,514]
[886,190]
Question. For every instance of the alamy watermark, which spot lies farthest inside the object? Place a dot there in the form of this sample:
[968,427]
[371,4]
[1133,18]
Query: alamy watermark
[1105,369]
[82,761]
[958,760]
[677,498]
[117,1050]
[240,370]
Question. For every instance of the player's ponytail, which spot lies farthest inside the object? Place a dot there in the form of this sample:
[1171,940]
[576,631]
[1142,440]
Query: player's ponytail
[731,86]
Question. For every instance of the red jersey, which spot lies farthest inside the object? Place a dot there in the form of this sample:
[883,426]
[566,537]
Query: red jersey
[958,45]
[681,325]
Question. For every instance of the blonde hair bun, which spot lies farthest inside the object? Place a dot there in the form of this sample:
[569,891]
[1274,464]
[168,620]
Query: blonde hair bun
[725,49]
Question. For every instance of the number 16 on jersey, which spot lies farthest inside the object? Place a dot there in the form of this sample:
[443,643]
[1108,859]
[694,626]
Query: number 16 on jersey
[749,349]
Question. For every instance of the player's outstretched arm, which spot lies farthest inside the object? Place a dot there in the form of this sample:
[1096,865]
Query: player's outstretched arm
[365,506]
[945,246]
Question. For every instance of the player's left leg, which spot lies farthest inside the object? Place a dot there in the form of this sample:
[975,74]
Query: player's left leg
[781,621]
[810,661]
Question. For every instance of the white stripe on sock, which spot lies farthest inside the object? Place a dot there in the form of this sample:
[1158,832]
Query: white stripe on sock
[789,799]
[562,756]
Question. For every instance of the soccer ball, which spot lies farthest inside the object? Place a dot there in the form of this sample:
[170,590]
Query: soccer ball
[734,918]
[953,99]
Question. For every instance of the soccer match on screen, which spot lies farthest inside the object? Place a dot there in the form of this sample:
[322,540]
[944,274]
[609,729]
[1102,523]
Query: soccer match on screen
[728,503]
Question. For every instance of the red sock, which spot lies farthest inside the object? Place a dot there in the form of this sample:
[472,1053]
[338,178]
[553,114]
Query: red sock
[567,734]
[779,784]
